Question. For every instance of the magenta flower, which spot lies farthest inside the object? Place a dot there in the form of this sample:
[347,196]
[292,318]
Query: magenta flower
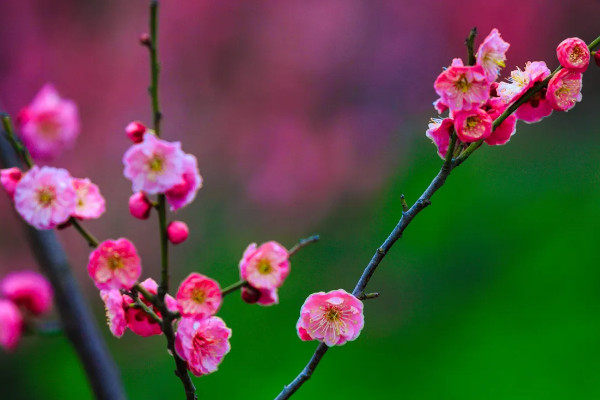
[139,205]
[265,267]
[29,290]
[462,87]
[184,193]
[90,203]
[506,129]
[564,90]
[154,165]
[492,54]
[138,321]
[521,81]
[198,295]
[333,318]
[49,124]
[115,264]
[45,197]
[177,232]
[536,109]
[11,325]
[473,125]
[115,313]
[202,343]
[573,54]
[439,132]
[9,177]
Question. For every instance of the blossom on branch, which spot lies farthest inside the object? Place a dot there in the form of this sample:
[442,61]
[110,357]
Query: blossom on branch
[564,90]
[90,203]
[462,87]
[573,54]
[492,54]
[199,296]
[265,267]
[115,313]
[115,264]
[138,320]
[439,132]
[520,81]
[472,125]
[184,193]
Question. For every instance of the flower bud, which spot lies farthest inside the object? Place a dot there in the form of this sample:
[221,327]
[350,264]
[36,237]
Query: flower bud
[139,205]
[135,131]
[597,58]
[250,294]
[145,40]
[177,232]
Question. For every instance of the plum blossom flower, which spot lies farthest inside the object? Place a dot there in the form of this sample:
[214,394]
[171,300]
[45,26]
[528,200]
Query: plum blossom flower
[154,165]
[90,203]
[440,106]
[265,267]
[202,343]
[564,90]
[573,54]
[45,197]
[184,193]
[506,129]
[198,295]
[177,232]
[264,297]
[11,325]
[49,124]
[138,320]
[115,313]
[535,109]
[521,81]
[439,132]
[473,125]
[333,318]
[139,205]
[492,54]
[115,264]
[29,290]
[9,177]
[462,87]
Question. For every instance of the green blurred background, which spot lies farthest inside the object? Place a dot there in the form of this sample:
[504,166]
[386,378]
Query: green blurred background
[492,293]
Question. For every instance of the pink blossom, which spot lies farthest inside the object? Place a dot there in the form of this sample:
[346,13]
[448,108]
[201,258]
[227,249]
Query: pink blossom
[473,125]
[115,313]
[264,297]
[138,321]
[135,131]
[90,203]
[177,232]
[462,87]
[11,325]
[198,295]
[573,54]
[139,205]
[492,54]
[184,193]
[333,318]
[506,129]
[29,290]
[265,267]
[9,177]
[49,124]
[439,132]
[440,106]
[202,343]
[154,165]
[535,109]
[564,90]
[45,197]
[115,264]
[521,81]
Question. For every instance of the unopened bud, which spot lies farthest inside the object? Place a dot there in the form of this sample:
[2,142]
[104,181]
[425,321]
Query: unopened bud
[135,131]
[250,294]
[597,58]
[139,205]
[177,232]
[145,40]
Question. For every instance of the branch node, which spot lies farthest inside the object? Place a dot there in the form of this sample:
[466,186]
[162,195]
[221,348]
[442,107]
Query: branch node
[403,202]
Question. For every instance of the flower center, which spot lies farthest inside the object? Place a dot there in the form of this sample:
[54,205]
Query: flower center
[115,262]
[156,163]
[576,56]
[48,128]
[264,267]
[472,122]
[332,315]
[45,197]
[199,296]
[463,84]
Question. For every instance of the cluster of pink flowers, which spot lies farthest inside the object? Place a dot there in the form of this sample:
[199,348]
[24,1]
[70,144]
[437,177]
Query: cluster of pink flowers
[23,295]
[265,269]
[474,99]
[47,197]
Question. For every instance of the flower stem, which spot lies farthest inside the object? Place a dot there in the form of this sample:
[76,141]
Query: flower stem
[92,241]
[19,148]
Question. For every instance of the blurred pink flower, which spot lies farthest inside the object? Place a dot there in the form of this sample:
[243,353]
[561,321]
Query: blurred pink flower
[29,290]
[462,87]
[49,124]
[139,205]
[199,296]
[114,264]
[11,325]
[90,203]
[564,90]
[184,193]
[154,165]
[492,54]
[573,54]
[115,313]
[473,125]
[202,343]
[45,197]
[265,267]
[333,318]
[9,177]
